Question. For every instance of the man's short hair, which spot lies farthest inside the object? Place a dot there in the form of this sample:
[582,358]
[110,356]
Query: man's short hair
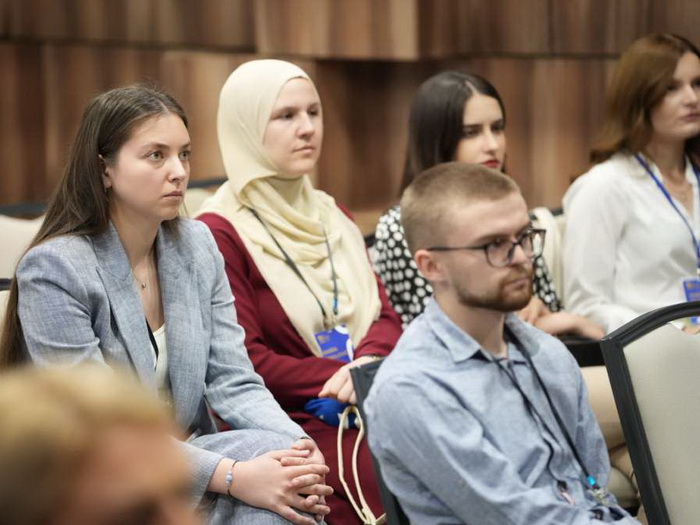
[429,201]
[50,420]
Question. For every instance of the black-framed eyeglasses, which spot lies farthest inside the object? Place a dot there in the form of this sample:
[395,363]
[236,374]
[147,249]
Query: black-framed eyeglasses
[499,253]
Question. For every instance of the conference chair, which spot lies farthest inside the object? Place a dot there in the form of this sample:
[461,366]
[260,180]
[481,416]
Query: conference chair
[554,222]
[362,378]
[15,236]
[654,369]
[4,296]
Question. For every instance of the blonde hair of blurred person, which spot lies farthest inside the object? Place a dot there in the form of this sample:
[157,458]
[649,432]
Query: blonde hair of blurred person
[87,445]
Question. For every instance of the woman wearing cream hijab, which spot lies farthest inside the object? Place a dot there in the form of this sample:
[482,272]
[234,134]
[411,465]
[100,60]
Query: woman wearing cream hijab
[297,264]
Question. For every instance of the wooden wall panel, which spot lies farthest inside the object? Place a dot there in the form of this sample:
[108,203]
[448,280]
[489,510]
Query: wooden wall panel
[79,72]
[366,114]
[460,27]
[370,29]
[221,23]
[536,27]
[195,79]
[74,74]
[598,26]
[6,10]
[550,59]
[677,16]
[554,109]
[21,124]
[566,112]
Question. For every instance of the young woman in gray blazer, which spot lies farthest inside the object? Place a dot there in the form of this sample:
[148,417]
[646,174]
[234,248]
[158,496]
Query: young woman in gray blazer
[115,276]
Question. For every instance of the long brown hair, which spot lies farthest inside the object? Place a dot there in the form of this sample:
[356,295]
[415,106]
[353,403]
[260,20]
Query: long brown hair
[643,73]
[80,204]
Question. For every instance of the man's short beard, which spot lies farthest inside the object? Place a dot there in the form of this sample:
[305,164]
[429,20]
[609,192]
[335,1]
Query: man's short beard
[501,301]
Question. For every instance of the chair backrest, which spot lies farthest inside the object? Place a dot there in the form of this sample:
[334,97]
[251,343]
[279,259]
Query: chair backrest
[653,368]
[362,378]
[4,296]
[194,198]
[15,236]
[555,224]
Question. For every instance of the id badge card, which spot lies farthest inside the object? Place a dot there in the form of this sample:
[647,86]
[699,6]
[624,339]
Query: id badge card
[691,287]
[336,344]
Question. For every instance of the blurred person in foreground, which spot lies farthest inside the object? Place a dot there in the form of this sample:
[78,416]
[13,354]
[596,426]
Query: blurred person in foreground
[88,446]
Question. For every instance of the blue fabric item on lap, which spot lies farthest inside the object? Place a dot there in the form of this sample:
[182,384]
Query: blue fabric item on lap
[329,411]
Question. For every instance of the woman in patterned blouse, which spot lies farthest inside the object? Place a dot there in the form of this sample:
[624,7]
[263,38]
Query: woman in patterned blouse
[458,116]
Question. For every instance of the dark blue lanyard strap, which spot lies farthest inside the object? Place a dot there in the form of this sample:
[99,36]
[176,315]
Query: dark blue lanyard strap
[591,482]
[298,273]
[599,494]
[666,194]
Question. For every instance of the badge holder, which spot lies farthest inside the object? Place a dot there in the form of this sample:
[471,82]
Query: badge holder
[336,343]
[691,288]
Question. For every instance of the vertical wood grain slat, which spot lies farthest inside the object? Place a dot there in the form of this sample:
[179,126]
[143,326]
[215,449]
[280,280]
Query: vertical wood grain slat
[366,115]
[677,16]
[79,72]
[21,124]
[220,23]
[475,26]
[369,29]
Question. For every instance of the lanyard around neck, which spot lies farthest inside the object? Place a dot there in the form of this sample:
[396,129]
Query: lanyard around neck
[298,273]
[672,202]
[598,493]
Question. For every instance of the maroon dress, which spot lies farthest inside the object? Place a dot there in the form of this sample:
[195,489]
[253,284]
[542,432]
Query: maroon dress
[292,372]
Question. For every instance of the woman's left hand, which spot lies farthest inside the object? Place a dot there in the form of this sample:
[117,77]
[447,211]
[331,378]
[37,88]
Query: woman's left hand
[339,386]
[559,323]
[306,484]
[533,311]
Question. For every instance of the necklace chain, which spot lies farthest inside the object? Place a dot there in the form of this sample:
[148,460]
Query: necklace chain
[142,284]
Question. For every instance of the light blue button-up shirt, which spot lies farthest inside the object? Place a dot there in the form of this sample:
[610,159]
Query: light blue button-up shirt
[458,443]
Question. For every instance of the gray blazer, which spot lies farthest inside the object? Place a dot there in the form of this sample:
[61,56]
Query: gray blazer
[78,302]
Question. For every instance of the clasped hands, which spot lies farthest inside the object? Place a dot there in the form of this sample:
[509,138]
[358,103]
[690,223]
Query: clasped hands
[286,482]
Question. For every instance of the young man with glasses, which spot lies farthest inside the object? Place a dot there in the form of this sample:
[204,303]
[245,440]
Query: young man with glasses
[478,417]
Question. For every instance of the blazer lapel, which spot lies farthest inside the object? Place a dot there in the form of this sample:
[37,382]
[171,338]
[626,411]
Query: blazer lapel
[115,271]
[184,333]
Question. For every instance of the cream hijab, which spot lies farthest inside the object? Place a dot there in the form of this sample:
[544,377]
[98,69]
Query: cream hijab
[299,217]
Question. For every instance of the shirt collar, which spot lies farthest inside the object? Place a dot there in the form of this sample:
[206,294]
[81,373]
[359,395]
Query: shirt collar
[463,346]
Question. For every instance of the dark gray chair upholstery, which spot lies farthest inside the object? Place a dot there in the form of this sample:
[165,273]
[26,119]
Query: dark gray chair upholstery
[362,378]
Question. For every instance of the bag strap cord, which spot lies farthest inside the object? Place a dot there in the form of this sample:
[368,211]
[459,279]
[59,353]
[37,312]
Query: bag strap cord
[363,510]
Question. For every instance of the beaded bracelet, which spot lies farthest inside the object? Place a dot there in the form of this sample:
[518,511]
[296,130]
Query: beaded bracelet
[229,477]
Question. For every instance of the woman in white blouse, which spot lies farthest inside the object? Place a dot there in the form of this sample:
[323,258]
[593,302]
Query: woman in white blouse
[633,221]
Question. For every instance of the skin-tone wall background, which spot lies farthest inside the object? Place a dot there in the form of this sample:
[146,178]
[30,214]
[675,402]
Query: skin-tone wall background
[550,59]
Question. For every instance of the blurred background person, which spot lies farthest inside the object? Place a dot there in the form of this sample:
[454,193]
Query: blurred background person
[458,116]
[633,220]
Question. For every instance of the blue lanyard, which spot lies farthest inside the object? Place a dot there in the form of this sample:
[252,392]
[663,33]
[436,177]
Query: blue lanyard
[672,203]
